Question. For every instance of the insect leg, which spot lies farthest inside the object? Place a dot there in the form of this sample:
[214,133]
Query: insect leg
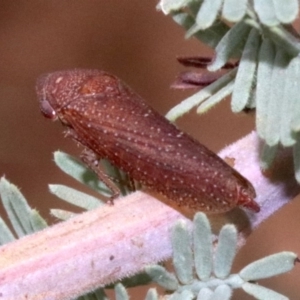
[92,161]
[132,184]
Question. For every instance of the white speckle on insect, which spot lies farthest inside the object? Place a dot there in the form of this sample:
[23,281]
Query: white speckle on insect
[59,79]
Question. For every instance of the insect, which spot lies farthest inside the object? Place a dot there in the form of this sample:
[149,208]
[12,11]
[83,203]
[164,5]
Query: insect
[111,121]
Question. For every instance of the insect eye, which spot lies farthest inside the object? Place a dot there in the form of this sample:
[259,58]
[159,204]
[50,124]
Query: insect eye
[47,110]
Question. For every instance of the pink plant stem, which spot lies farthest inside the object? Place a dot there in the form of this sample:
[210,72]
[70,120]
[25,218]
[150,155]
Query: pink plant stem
[274,190]
[101,246]
[87,251]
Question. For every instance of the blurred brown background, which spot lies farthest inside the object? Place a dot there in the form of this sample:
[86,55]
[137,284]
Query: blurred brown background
[135,42]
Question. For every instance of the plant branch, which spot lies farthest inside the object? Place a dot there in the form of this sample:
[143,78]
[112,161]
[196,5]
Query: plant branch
[90,250]
[274,187]
[101,246]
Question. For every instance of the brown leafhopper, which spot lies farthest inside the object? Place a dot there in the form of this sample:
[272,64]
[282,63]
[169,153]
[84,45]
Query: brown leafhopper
[111,121]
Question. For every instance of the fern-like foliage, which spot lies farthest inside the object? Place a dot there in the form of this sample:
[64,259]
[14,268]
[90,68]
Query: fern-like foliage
[203,272]
[260,35]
